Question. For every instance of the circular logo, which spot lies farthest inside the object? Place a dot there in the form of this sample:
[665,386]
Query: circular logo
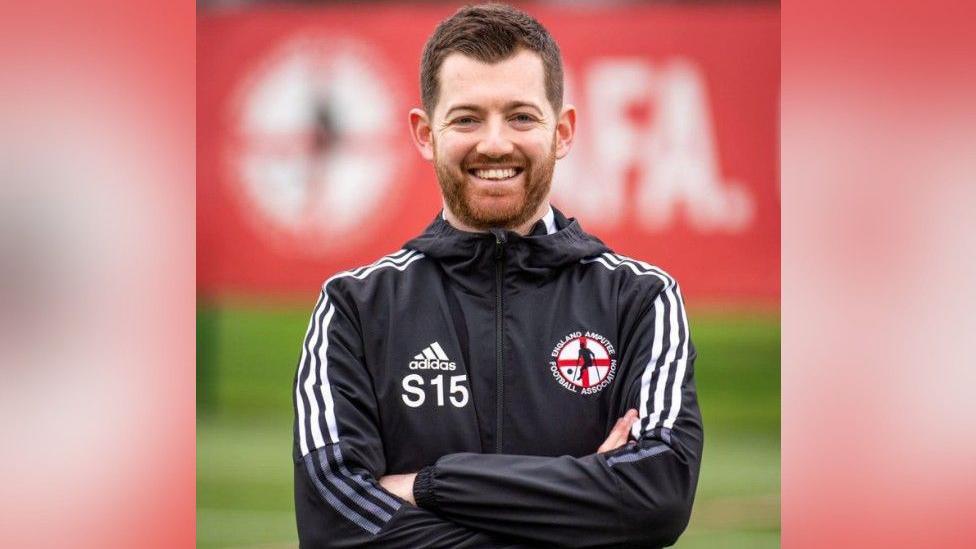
[583,362]
[314,148]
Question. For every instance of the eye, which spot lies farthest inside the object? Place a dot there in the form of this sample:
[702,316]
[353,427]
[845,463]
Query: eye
[523,118]
[464,120]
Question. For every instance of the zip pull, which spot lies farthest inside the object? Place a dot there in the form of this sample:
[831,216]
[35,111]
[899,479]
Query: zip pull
[500,241]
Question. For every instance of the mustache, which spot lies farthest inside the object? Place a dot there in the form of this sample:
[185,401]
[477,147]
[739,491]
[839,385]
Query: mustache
[486,162]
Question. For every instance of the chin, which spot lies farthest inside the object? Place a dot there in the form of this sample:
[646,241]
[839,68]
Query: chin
[495,210]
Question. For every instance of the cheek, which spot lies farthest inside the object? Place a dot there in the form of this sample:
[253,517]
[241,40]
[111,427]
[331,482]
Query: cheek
[539,147]
[453,151]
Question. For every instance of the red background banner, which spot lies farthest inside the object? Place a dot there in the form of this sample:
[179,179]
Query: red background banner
[305,165]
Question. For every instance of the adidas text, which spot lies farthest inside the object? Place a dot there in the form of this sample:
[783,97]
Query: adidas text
[432,364]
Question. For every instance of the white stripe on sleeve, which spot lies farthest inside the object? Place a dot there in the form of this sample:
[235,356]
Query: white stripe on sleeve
[299,400]
[676,319]
[318,374]
[679,376]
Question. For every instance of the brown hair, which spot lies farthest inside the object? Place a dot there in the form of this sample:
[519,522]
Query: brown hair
[489,33]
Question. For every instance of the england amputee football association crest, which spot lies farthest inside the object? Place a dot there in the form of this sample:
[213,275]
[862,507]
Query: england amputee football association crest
[583,362]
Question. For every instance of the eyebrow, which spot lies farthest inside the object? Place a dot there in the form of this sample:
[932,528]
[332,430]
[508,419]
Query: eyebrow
[508,107]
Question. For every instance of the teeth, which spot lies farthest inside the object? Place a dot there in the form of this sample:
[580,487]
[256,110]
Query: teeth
[496,173]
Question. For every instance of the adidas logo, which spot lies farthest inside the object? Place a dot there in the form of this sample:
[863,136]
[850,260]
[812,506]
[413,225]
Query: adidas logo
[432,358]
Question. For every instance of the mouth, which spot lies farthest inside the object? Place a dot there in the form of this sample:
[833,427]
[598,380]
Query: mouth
[495,174]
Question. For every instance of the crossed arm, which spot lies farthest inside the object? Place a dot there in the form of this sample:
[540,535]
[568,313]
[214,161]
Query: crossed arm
[339,522]
[402,485]
[635,495]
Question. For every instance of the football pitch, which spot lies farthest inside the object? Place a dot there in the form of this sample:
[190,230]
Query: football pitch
[246,363]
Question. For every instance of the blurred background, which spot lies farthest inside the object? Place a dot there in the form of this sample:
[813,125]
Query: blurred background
[305,168]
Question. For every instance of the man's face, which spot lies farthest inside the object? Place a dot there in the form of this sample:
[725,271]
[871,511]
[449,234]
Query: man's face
[494,139]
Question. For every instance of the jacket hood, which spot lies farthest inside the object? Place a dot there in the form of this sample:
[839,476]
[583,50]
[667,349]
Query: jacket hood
[533,255]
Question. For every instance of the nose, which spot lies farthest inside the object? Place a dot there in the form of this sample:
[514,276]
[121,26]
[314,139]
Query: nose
[494,142]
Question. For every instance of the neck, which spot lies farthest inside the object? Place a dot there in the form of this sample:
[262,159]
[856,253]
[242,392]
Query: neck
[522,229]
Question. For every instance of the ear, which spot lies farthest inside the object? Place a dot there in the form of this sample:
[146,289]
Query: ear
[422,133]
[565,130]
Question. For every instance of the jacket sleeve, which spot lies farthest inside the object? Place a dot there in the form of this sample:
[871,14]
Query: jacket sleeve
[338,452]
[639,495]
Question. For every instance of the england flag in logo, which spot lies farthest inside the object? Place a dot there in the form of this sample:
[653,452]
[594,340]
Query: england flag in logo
[583,363]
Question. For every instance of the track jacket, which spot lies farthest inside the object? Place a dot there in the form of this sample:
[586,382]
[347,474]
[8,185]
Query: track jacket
[495,365]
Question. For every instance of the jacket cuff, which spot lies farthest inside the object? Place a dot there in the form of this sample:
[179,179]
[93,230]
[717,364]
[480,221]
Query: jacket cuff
[423,488]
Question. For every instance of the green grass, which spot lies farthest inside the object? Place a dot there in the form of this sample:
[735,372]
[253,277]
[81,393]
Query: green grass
[252,354]
[247,357]
[244,482]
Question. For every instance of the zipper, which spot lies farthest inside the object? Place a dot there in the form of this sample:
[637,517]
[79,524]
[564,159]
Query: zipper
[499,336]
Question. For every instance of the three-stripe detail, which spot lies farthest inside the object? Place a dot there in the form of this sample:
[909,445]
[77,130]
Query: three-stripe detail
[352,495]
[664,373]
[433,352]
[355,496]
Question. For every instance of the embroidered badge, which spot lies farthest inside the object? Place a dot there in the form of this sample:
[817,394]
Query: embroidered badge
[583,362]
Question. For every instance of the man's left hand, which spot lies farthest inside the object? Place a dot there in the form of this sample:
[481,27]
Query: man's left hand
[400,486]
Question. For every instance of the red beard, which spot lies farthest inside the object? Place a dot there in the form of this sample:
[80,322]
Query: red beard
[456,188]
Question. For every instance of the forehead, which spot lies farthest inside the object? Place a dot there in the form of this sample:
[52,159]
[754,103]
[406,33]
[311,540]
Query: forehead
[466,81]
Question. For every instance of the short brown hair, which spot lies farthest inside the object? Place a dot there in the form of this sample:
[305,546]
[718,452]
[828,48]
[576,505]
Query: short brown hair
[489,33]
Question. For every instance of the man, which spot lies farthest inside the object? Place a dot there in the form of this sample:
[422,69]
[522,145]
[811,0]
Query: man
[584,364]
[436,400]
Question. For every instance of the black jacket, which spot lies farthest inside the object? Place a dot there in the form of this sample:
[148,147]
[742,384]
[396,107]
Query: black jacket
[495,365]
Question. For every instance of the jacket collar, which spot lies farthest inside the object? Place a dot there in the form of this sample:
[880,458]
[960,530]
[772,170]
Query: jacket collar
[538,251]
[544,226]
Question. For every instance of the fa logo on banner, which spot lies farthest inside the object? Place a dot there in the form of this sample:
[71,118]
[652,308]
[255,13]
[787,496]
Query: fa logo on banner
[651,135]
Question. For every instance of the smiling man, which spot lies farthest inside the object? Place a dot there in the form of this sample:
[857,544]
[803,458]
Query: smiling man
[495,140]
[505,379]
